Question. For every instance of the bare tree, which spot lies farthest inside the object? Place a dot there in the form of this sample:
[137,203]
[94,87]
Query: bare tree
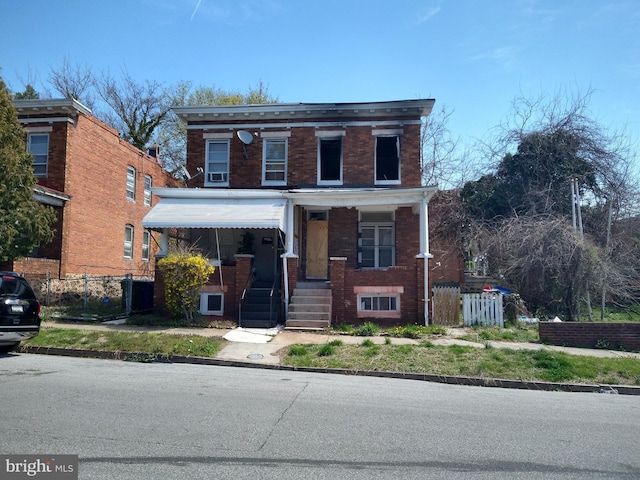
[74,81]
[137,107]
[441,161]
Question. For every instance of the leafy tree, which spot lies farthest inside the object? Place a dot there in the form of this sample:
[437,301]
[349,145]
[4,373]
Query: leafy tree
[172,132]
[25,224]
[28,94]
[184,274]
[520,216]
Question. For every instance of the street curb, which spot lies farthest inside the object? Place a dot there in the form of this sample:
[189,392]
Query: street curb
[425,377]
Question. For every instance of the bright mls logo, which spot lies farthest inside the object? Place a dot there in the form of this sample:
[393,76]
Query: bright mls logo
[51,467]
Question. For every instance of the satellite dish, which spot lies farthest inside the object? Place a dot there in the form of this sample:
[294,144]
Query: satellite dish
[245,137]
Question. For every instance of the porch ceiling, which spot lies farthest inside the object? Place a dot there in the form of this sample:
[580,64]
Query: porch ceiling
[217,213]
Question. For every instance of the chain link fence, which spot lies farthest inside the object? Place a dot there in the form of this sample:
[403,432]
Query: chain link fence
[126,293]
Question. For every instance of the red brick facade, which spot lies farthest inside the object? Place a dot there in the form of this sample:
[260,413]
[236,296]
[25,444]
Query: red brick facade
[358,127]
[87,162]
[614,336]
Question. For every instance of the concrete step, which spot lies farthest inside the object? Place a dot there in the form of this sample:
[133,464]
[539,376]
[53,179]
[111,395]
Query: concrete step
[309,307]
[319,316]
[310,300]
[306,325]
[311,292]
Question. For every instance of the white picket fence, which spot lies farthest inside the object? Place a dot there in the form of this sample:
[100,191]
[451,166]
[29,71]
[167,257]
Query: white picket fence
[482,309]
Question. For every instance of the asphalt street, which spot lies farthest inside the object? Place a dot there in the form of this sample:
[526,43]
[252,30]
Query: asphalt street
[175,421]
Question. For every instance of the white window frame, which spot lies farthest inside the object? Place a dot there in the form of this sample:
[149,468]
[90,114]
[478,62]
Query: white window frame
[210,179]
[39,159]
[276,137]
[146,245]
[388,133]
[131,183]
[374,299]
[204,303]
[148,184]
[330,135]
[377,227]
[128,241]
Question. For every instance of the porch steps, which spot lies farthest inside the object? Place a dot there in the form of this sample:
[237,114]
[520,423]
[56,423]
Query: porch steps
[310,307]
[256,309]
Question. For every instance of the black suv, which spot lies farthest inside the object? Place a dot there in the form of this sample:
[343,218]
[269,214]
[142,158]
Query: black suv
[19,311]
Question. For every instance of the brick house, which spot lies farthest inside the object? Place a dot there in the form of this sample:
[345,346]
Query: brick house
[313,214]
[100,188]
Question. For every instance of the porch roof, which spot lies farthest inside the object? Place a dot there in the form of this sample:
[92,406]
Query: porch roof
[171,212]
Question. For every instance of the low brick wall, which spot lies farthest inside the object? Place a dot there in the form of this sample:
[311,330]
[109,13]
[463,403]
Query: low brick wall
[615,336]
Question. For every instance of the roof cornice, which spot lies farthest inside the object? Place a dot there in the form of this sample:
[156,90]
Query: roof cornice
[400,108]
[64,106]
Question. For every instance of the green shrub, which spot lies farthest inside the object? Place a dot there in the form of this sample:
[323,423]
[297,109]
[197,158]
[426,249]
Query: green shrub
[387,340]
[326,350]
[335,343]
[297,351]
[367,343]
[184,274]
[366,330]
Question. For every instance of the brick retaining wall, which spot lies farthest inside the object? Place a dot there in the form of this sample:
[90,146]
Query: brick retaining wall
[616,336]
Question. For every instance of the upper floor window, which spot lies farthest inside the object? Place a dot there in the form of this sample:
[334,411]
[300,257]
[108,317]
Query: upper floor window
[376,247]
[217,163]
[148,183]
[131,184]
[146,243]
[274,165]
[330,157]
[128,241]
[387,159]
[38,146]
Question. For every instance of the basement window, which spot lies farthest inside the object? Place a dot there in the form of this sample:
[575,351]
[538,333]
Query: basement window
[379,305]
[212,303]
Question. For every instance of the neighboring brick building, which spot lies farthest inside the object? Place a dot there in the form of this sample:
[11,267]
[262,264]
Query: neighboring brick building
[322,196]
[100,187]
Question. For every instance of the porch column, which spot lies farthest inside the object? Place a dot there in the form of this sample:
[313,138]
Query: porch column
[289,228]
[424,253]
[164,243]
[289,259]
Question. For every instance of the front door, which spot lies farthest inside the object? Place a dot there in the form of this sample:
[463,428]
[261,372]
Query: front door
[317,249]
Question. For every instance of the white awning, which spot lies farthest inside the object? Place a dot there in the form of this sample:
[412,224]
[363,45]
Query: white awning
[217,213]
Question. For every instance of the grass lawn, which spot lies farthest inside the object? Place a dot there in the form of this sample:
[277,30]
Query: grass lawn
[468,361]
[153,343]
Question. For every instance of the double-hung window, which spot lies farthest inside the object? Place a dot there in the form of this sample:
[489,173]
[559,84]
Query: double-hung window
[376,247]
[128,241]
[148,183]
[387,157]
[274,158]
[131,184]
[146,243]
[330,157]
[217,163]
[38,146]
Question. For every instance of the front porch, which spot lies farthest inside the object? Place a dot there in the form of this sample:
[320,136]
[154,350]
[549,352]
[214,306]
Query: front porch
[318,257]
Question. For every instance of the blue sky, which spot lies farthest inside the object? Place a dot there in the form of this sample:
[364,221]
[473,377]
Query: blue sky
[472,56]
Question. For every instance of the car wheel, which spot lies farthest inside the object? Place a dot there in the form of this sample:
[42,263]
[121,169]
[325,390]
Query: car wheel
[9,348]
